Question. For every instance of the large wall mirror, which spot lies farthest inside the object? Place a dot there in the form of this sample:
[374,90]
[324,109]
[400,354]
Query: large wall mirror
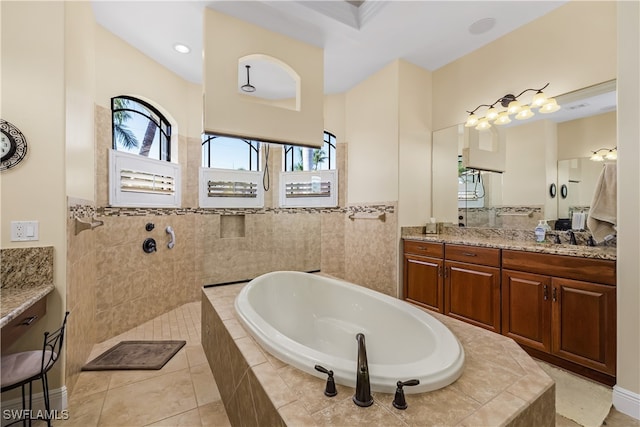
[546,152]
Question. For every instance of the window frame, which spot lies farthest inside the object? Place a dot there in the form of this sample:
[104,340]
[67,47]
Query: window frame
[288,153]
[162,123]
[253,146]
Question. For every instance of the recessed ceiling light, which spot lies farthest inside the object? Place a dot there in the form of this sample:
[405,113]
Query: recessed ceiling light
[182,48]
[482,26]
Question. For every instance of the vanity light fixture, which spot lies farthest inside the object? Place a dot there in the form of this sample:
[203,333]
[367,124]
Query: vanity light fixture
[512,107]
[603,154]
[248,87]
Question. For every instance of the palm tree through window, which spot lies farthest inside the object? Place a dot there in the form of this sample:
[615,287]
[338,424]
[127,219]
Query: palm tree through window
[306,159]
[139,128]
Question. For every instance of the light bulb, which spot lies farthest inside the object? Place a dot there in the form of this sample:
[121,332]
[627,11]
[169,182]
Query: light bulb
[525,113]
[492,113]
[483,124]
[612,154]
[472,120]
[551,106]
[596,157]
[502,119]
[514,107]
[539,99]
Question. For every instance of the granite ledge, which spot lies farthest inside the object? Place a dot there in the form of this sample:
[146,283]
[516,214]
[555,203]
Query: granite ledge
[16,301]
[605,253]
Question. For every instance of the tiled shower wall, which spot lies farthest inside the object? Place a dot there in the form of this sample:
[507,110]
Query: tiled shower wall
[116,286]
[81,291]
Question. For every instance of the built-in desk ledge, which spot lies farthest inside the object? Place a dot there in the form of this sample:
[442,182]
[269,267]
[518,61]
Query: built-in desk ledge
[597,252]
[16,301]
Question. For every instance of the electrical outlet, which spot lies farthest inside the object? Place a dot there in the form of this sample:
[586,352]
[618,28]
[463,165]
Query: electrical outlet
[22,231]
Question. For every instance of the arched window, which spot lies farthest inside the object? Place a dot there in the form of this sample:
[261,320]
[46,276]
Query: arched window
[230,153]
[139,128]
[306,159]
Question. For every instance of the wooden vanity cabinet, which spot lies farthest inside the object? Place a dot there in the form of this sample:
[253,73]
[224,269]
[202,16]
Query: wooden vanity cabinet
[472,285]
[423,274]
[561,306]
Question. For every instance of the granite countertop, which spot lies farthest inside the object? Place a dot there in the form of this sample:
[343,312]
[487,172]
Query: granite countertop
[16,300]
[598,252]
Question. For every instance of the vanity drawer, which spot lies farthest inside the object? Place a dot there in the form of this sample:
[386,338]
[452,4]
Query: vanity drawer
[21,324]
[570,267]
[431,249]
[473,255]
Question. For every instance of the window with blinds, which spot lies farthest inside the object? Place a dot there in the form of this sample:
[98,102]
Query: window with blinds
[227,188]
[309,189]
[136,181]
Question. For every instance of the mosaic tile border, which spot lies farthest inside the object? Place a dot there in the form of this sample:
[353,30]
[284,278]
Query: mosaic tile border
[81,211]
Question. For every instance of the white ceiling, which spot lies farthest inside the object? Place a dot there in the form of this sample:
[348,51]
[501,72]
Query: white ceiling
[357,41]
[358,37]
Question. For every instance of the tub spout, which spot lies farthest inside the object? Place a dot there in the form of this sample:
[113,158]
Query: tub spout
[363,386]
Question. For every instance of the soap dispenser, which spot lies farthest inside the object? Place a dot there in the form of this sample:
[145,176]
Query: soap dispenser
[540,231]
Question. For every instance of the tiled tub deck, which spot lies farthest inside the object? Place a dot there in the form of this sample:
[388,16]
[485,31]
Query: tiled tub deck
[501,384]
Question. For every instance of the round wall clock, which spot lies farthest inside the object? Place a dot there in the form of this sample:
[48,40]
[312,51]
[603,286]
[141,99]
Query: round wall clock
[13,145]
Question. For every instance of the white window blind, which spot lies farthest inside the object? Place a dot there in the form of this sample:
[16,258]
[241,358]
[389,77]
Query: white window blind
[137,181]
[226,188]
[309,189]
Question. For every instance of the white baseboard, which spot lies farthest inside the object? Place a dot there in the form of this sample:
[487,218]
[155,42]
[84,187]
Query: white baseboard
[626,402]
[57,399]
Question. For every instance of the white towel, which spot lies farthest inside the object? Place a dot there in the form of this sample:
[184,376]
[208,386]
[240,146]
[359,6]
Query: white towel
[602,214]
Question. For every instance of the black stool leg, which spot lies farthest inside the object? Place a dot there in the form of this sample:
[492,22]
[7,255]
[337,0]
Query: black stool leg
[30,401]
[45,391]
[24,408]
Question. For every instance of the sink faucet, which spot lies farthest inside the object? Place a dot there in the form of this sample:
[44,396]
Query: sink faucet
[363,387]
[572,237]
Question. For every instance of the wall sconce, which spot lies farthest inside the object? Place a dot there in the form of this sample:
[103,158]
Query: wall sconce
[603,154]
[512,107]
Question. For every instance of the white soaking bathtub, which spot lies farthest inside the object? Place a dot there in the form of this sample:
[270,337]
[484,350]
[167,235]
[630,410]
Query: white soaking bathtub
[306,320]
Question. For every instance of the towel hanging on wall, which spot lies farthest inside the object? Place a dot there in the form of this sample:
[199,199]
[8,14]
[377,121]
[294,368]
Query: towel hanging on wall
[602,219]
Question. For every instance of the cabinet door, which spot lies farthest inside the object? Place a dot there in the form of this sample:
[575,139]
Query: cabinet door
[472,294]
[526,309]
[423,283]
[584,323]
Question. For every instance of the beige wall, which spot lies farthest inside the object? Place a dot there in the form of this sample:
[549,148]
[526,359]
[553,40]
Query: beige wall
[531,56]
[174,96]
[579,138]
[525,180]
[33,94]
[372,138]
[414,144]
[229,112]
[628,207]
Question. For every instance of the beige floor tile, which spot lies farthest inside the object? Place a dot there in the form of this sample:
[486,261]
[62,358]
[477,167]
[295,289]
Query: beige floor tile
[122,378]
[84,410]
[186,419]
[90,382]
[214,415]
[204,385]
[149,401]
[195,355]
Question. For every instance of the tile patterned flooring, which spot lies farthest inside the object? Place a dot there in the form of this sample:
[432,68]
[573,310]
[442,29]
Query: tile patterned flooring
[182,393]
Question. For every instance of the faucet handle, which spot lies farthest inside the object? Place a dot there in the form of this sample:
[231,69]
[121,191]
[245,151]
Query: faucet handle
[399,401]
[330,389]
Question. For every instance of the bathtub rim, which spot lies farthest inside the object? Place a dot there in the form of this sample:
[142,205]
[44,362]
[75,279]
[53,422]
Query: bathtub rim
[262,332]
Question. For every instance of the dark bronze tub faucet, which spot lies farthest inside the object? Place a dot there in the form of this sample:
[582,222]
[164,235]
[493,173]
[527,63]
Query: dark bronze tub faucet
[363,386]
